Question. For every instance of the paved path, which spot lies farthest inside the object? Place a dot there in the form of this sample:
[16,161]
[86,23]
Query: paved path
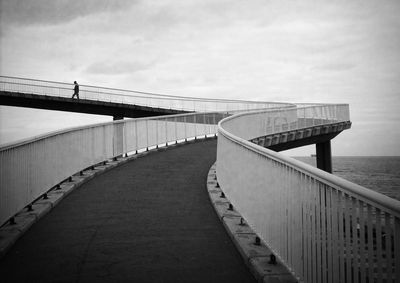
[149,220]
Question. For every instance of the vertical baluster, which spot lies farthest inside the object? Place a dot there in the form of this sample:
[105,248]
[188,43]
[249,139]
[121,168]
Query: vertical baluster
[317,240]
[147,135]
[347,235]
[310,244]
[296,259]
[125,138]
[335,236]
[355,246]
[362,246]
[294,222]
[136,137]
[215,123]
[378,236]
[299,224]
[156,128]
[323,235]
[185,123]
[195,126]
[278,226]
[276,208]
[388,247]
[291,208]
[396,247]
[269,206]
[282,209]
[285,212]
[176,128]
[204,124]
[307,220]
[294,211]
[303,231]
[306,228]
[370,228]
[329,247]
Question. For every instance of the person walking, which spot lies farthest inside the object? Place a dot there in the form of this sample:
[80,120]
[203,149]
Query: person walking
[76,90]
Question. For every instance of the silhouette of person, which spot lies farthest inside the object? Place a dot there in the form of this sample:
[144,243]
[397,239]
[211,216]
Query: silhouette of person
[76,90]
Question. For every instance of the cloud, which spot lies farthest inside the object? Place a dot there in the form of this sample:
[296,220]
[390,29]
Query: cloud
[25,12]
[296,51]
[119,67]
[335,67]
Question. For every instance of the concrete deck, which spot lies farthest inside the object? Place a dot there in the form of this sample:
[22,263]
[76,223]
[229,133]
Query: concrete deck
[149,220]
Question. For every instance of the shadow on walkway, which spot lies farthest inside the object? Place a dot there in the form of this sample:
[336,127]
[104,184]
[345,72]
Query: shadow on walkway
[149,220]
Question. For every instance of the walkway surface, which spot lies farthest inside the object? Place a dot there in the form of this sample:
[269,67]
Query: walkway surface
[149,220]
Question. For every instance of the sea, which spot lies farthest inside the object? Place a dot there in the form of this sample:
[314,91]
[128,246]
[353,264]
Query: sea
[378,173]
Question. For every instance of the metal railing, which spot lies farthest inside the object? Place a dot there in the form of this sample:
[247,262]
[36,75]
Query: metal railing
[31,167]
[325,229]
[95,93]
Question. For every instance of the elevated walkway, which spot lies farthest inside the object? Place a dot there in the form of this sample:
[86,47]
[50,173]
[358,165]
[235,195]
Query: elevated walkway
[89,106]
[149,220]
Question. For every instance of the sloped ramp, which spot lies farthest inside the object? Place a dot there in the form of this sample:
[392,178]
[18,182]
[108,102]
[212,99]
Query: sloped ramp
[149,220]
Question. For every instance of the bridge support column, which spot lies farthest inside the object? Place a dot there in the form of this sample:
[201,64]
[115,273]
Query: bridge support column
[324,156]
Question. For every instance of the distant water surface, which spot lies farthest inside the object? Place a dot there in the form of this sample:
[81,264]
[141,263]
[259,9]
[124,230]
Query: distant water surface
[381,174]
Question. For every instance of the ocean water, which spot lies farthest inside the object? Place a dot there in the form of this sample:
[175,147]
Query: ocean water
[381,174]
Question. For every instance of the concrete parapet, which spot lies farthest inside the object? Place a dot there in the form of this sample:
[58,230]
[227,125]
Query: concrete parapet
[255,253]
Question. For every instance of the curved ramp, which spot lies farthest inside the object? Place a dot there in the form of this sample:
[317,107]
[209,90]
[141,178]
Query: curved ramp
[149,220]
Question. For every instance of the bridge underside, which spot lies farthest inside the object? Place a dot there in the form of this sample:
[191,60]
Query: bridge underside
[117,110]
[319,135]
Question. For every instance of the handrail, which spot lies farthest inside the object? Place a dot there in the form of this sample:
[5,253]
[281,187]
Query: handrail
[147,94]
[25,141]
[324,228]
[374,198]
[31,167]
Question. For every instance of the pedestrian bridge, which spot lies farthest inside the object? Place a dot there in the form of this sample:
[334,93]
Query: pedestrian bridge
[325,229]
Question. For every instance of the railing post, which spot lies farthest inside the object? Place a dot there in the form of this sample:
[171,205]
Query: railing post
[118,139]
[166,132]
[176,129]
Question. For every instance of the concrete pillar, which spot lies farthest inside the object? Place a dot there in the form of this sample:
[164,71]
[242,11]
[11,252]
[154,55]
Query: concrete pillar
[324,156]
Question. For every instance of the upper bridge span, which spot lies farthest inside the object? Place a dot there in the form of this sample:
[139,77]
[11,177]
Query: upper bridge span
[117,110]
[119,103]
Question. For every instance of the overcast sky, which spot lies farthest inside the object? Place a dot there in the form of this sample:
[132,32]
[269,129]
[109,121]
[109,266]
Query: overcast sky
[290,51]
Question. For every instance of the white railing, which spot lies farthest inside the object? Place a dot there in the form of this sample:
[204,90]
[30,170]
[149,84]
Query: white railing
[252,125]
[30,168]
[65,90]
[325,229]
